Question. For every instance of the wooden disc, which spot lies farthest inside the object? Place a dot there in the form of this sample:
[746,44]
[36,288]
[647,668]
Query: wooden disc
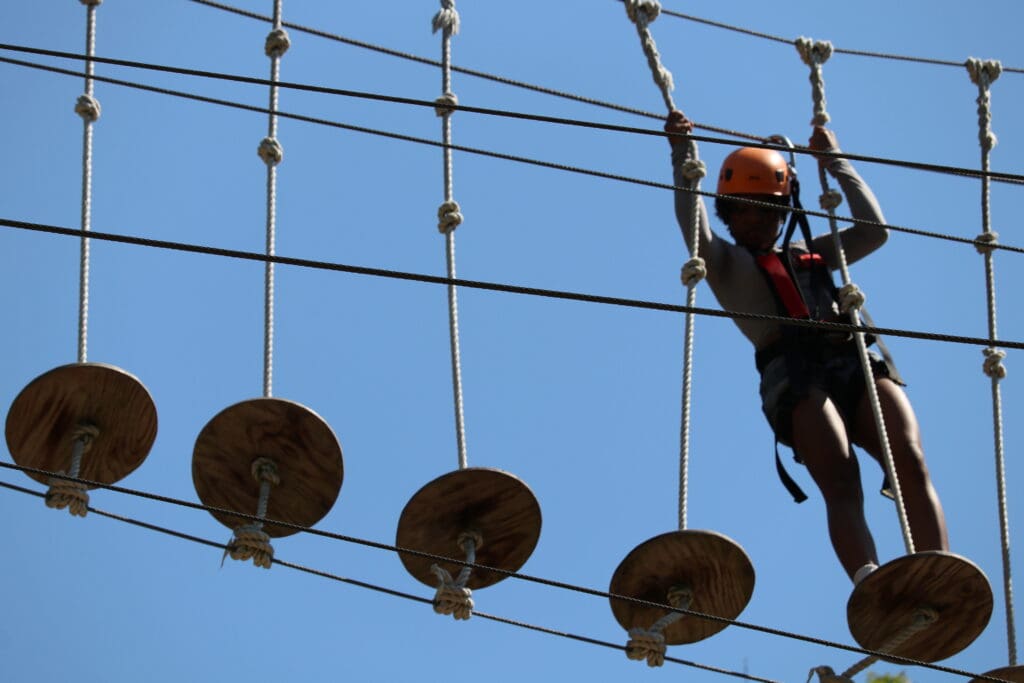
[301,444]
[1014,674]
[713,566]
[496,505]
[884,603]
[44,417]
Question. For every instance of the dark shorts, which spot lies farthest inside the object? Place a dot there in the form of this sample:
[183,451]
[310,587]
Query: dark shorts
[788,376]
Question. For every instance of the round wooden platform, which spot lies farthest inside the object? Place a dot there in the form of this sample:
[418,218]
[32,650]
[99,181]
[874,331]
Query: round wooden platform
[301,444]
[45,415]
[1014,674]
[490,502]
[713,566]
[883,604]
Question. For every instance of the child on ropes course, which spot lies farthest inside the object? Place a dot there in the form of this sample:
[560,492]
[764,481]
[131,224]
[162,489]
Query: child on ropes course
[812,385]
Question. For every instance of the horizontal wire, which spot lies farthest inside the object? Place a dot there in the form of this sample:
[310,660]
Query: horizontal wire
[382,589]
[506,288]
[998,176]
[505,572]
[837,50]
[487,153]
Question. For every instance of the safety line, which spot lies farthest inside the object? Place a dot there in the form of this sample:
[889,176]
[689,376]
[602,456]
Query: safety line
[1013,178]
[506,288]
[505,572]
[838,50]
[486,153]
[382,589]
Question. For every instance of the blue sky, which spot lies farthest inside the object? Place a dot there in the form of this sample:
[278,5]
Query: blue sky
[579,400]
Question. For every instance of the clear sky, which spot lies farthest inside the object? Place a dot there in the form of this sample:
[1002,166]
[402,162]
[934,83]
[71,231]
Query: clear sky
[579,400]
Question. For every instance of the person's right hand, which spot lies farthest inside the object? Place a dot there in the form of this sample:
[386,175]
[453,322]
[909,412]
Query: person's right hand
[677,123]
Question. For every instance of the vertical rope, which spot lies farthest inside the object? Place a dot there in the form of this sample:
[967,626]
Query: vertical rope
[89,109]
[923,618]
[982,74]
[814,54]
[271,152]
[447,21]
[643,13]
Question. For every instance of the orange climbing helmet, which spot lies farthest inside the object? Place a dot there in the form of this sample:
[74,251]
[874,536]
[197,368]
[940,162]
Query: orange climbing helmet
[753,170]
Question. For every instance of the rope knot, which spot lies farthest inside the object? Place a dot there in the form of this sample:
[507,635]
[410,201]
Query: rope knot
[452,597]
[830,200]
[88,107]
[270,151]
[643,12]
[986,242]
[447,18]
[86,433]
[251,542]
[693,271]
[646,644]
[265,470]
[277,43]
[993,365]
[813,52]
[850,297]
[445,104]
[983,72]
[449,217]
[694,169]
[64,493]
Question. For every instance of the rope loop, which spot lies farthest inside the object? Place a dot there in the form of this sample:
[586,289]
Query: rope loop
[643,12]
[851,297]
[693,272]
[449,217]
[986,242]
[646,644]
[830,200]
[445,104]
[251,542]
[694,169]
[64,493]
[447,18]
[993,364]
[86,433]
[88,107]
[277,43]
[265,470]
[451,597]
[813,52]
[270,151]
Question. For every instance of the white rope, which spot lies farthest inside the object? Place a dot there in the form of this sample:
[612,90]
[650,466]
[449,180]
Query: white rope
[450,217]
[452,597]
[271,152]
[923,618]
[649,643]
[64,493]
[250,541]
[983,74]
[814,54]
[693,272]
[642,13]
[88,107]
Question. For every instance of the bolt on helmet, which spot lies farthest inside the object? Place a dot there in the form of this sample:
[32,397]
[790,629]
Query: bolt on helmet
[753,170]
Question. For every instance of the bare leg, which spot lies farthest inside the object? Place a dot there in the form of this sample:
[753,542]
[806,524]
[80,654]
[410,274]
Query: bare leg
[924,511]
[819,438]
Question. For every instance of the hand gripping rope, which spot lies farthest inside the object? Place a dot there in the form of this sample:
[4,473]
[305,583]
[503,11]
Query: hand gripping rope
[983,74]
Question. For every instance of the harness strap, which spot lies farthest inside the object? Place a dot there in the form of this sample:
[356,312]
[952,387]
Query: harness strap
[794,489]
[783,284]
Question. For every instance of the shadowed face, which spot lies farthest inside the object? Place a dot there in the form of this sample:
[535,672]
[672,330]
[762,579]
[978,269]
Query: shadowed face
[755,227]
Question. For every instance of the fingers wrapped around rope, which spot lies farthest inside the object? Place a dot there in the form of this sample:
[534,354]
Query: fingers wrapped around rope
[88,107]
[447,18]
[449,217]
[993,363]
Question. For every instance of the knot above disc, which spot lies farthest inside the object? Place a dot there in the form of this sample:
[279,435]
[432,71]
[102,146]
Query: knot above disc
[494,504]
[885,602]
[713,566]
[46,416]
[302,446]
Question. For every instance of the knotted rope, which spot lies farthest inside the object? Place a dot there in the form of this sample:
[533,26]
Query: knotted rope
[983,74]
[250,541]
[642,13]
[271,152]
[923,618]
[452,596]
[814,54]
[64,493]
[449,215]
[649,643]
[88,107]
